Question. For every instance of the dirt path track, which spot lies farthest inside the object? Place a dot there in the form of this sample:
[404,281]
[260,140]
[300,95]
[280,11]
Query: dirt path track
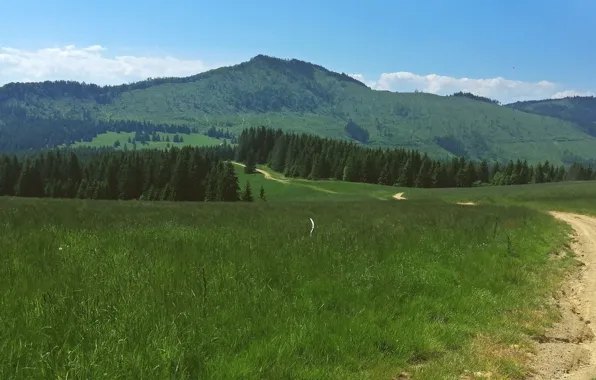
[568,350]
[399,196]
[266,174]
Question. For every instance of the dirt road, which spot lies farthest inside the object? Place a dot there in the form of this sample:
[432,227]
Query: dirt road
[568,349]
[264,173]
[467,203]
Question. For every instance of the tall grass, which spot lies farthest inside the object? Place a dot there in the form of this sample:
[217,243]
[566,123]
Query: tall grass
[221,291]
[563,196]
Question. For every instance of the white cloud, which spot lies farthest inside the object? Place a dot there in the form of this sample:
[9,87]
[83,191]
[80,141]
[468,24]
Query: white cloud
[91,64]
[504,90]
[94,64]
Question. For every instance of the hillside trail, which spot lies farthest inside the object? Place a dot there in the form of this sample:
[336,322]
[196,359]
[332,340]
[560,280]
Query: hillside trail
[568,349]
[265,173]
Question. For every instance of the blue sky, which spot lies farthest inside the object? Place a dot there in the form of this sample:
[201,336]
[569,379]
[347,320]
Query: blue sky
[545,40]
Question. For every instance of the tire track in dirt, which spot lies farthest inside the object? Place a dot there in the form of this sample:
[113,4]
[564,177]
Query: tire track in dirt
[568,349]
[266,174]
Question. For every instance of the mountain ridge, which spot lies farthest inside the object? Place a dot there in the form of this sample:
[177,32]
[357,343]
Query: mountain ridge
[300,96]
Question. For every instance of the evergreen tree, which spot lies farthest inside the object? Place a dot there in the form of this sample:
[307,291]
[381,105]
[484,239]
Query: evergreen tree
[230,190]
[250,166]
[384,176]
[483,172]
[262,194]
[247,193]
[30,182]
[424,177]
[406,175]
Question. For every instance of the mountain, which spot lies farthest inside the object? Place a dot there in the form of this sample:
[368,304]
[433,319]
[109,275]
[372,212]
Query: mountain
[578,109]
[291,95]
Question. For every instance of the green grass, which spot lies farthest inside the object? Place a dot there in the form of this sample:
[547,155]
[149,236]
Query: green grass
[110,138]
[99,289]
[303,190]
[563,196]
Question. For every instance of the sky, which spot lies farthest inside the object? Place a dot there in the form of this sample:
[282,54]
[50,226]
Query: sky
[503,49]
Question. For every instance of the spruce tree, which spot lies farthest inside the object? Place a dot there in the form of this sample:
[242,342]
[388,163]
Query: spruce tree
[424,177]
[30,183]
[250,166]
[82,190]
[405,178]
[229,180]
[262,194]
[247,193]
[483,173]
[384,176]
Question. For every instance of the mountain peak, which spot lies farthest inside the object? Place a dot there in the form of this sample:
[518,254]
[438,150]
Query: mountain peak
[298,67]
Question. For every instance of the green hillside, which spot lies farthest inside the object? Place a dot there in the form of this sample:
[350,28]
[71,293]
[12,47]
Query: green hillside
[579,109]
[291,95]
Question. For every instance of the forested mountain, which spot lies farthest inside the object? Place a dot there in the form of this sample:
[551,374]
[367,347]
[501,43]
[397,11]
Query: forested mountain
[578,109]
[292,95]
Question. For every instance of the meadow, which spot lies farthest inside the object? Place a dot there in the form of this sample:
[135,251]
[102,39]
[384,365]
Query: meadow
[562,196]
[110,138]
[577,197]
[108,289]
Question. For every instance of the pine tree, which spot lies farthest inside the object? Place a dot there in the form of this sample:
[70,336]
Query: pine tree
[212,184]
[405,178]
[262,194]
[30,183]
[82,190]
[316,171]
[424,177]
[179,182]
[483,173]
[247,193]
[384,176]
[229,184]
[251,163]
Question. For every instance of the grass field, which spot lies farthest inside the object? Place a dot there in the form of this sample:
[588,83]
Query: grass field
[241,291]
[110,138]
[284,189]
[230,291]
[563,196]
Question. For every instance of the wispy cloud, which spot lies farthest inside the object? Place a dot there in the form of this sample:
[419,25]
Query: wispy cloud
[504,90]
[91,64]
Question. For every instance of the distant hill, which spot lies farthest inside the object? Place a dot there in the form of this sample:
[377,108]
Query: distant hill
[291,95]
[578,109]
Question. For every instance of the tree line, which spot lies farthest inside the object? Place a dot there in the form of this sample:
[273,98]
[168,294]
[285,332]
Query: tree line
[312,157]
[177,174]
[19,131]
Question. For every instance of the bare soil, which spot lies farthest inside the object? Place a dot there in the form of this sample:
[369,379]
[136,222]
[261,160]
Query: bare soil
[568,349]
[399,196]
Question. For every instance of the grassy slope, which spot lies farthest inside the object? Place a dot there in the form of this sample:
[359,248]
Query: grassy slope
[303,190]
[565,196]
[109,138]
[580,110]
[222,291]
[307,98]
